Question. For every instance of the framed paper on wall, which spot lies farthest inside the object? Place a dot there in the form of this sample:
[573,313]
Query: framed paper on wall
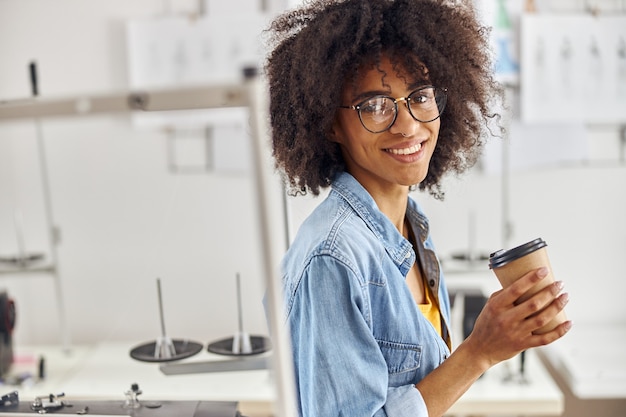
[573,68]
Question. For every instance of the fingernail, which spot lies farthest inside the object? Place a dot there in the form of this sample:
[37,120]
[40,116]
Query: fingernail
[542,272]
[559,285]
[564,298]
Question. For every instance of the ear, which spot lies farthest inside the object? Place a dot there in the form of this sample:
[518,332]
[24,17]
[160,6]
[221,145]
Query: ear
[335,134]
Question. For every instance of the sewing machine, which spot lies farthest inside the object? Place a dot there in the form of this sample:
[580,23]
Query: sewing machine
[61,406]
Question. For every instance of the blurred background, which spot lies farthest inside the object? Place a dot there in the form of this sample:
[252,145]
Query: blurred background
[94,209]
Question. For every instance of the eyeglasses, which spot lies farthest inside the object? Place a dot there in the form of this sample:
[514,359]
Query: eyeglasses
[379,113]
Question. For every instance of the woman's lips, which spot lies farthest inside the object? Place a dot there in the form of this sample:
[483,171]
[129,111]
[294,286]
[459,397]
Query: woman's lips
[405,151]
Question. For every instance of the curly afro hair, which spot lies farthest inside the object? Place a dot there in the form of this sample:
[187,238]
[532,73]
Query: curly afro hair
[320,47]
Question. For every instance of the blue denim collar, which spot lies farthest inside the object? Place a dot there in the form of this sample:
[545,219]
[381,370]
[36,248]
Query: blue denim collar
[399,249]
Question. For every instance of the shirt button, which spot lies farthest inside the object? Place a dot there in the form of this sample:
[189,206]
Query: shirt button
[431,282]
[408,255]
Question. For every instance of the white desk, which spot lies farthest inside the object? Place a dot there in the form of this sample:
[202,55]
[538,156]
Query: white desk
[591,360]
[495,393]
[107,371]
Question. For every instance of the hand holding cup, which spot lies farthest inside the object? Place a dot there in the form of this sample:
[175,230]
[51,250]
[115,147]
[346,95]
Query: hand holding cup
[510,265]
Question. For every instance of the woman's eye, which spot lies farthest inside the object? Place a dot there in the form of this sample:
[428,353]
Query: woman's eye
[419,98]
[423,96]
[379,105]
[371,107]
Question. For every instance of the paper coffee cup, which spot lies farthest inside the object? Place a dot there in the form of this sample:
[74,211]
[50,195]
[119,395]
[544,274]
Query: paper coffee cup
[510,265]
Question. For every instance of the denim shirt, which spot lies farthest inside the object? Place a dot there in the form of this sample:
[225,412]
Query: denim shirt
[360,342]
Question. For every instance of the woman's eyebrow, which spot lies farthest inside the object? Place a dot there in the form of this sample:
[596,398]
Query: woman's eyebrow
[417,84]
[370,93]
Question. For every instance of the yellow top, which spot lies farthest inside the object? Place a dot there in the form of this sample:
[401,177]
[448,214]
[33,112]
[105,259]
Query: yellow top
[430,310]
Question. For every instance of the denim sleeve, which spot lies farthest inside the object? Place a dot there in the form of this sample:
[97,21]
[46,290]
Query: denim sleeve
[340,370]
[405,401]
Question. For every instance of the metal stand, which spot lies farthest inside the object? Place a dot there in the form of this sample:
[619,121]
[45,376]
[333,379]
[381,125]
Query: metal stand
[507,223]
[164,349]
[241,343]
[30,263]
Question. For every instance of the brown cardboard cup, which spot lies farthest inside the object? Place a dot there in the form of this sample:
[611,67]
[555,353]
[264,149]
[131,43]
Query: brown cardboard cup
[509,265]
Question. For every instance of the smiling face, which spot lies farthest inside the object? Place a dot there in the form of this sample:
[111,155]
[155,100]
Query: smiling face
[396,158]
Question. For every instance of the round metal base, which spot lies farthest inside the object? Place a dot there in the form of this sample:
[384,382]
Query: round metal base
[184,349]
[259,344]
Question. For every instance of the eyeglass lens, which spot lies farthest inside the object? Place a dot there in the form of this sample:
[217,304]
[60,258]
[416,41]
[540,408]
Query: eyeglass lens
[378,113]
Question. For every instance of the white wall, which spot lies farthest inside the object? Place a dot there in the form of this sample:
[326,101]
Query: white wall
[125,220]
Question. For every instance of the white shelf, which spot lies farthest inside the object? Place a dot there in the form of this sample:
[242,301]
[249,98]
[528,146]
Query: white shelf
[46,267]
[189,98]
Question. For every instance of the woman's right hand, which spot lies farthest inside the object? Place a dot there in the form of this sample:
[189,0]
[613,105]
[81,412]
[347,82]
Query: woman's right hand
[505,326]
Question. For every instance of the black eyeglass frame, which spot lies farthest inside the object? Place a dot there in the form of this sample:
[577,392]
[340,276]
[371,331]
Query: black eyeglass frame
[440,106]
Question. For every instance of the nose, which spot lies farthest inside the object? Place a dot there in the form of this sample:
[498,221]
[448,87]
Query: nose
[405,124]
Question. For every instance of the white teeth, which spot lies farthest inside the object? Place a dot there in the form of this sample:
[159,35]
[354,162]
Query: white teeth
[405,151]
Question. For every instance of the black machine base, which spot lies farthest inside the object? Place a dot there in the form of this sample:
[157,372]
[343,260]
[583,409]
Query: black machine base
[117,408]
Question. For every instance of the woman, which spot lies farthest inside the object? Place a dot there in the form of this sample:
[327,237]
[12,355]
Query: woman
[372,98]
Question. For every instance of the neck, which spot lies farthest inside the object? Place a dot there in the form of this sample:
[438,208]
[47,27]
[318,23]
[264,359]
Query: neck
[393,205]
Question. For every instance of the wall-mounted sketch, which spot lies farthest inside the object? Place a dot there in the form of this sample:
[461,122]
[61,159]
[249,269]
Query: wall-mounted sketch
[177,51]
[174,51]
[543,89]
[621,70]
[169,52]
[595,68]
[566,57]
[573,68]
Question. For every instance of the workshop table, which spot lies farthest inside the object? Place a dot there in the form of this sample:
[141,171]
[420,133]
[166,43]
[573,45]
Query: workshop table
[105,371]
